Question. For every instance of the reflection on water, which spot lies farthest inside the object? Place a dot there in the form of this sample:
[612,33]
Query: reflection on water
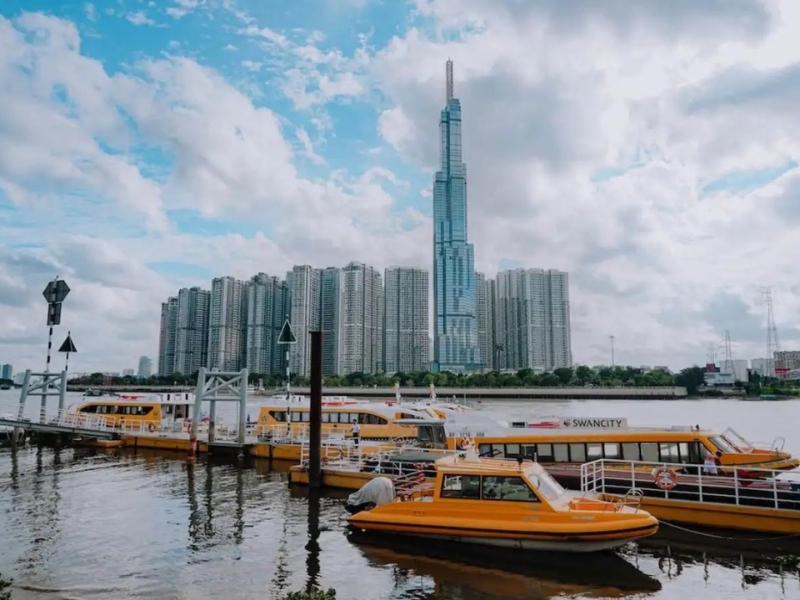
[93,524]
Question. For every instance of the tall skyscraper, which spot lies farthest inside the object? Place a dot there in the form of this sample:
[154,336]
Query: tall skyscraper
[6,372]
[145,367]
[168,337]
[332,319]
[304,283]
[225,325]
[532,319]
[268,304]
[406,340]
[455,324]
[484,294]
[191,345]
[362,326]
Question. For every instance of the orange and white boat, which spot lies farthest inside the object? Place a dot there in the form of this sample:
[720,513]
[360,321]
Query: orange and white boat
[498,502]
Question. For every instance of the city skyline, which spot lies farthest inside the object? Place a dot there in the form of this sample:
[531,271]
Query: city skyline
[151,148]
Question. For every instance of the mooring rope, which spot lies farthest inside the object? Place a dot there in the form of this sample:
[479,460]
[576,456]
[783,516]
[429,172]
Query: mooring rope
[724,537]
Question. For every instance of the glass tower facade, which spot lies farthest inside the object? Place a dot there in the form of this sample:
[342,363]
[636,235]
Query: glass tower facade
[455,342]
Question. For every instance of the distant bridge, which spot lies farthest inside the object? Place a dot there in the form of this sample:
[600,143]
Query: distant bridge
[543,393]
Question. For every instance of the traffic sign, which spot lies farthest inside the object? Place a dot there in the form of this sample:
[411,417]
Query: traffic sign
[68,346]
[287,335]
[56,291]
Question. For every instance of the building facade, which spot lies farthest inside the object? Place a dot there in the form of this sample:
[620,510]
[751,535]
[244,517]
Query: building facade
[167,337]
[406,335]
[532,320]
[6,371]
[145,369]
[191,345]
[268,304]
[332,319]
[304,286]
[455,324]
[484,295]
[362,320]
[226,324]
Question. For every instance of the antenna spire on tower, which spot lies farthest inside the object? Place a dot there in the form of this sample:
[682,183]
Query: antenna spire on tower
[773,343]
[449,76]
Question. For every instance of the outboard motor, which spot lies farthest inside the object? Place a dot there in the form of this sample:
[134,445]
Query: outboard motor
[375,492]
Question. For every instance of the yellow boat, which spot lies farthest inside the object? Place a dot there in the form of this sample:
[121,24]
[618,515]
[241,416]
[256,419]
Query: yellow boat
[576,441]
[504,503]
[138,412]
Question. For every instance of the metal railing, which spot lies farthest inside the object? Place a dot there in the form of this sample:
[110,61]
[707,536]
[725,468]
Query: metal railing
[762,488]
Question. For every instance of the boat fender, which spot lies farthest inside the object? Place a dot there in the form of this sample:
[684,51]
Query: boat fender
[151,428]
[665,478]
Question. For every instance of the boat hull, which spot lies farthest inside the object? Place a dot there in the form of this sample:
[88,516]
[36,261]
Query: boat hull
[584,542]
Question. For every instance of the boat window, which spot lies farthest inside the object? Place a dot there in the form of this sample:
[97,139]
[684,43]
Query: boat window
[370,419]
[577,453]
[326,417]
[547,486]
[529,451]
[561,452]
[512,450]
[650,452]
[611,450]
[90,409]
[305,417]
[507,488]
[594,451]
[461,486]
[403,415]
[721,444]
[545,452]
[669,452]
[485,449]
[278,415]
[630,451]
[696,456]
[334,417]
[683,447]
[296,417]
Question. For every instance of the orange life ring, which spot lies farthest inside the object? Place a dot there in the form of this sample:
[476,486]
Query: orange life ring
[665,478]
[151,428]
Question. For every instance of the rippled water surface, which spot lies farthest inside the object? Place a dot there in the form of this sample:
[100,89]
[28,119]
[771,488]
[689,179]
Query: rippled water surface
[81,523]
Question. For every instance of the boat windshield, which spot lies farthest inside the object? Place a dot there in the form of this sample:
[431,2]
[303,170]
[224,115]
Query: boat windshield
[547,486]
[722,444]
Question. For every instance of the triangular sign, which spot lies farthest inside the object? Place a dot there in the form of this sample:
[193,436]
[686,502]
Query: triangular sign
[287,335]
[68,346]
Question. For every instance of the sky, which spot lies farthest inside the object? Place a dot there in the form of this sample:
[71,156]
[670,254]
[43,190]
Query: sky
[650,149]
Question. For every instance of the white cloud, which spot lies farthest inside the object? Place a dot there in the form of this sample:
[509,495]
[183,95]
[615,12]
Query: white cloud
[308,147]
[90,11]
[139,18]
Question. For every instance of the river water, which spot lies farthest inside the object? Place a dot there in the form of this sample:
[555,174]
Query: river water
[89,524]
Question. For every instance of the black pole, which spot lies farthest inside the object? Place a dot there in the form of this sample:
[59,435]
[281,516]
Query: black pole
[315,418]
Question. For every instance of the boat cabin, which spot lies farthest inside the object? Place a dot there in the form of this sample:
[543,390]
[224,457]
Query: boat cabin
[131,410]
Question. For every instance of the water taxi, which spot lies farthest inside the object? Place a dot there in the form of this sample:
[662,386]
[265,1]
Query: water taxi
[575,441]
[138,412]
[497,502]
[377,420]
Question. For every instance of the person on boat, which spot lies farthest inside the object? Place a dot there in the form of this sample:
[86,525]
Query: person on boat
[356,431]
[710,464]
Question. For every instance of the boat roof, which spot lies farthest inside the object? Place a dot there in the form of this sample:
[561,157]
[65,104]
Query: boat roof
[456,464]
[378,408]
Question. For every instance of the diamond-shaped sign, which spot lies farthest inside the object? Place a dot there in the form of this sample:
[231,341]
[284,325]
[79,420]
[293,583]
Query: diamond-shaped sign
[56,291]
[287,335]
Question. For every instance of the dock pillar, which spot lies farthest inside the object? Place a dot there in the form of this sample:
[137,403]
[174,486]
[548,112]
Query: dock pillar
[242,438]
[315,410]
[198,406]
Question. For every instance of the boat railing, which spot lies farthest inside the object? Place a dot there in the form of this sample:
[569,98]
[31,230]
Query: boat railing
[767,488]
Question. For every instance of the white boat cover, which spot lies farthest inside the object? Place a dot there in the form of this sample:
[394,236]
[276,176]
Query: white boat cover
[378,491]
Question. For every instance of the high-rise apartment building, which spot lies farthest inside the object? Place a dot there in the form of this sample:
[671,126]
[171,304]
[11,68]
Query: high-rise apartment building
[191,345]
[226,324]
[455,324]
[484,296]
[6,372]
[362,320]
[332,319]
[268,305]
[304,285]
[167,337]
[145,367]
[406,339]
[532,319]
